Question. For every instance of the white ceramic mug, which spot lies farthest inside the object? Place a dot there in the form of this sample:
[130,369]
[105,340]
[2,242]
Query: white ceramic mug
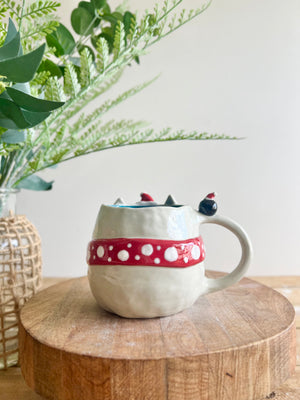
[147,262]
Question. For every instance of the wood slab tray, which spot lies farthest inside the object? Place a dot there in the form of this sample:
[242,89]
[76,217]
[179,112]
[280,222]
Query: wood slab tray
[235,344]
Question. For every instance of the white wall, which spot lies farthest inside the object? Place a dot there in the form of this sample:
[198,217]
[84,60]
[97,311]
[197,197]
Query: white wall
[234,70]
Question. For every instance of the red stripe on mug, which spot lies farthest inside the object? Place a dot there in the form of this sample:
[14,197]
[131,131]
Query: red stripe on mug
[151,252]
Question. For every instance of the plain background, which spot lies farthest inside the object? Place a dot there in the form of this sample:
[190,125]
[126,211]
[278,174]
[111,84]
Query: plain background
[235,71]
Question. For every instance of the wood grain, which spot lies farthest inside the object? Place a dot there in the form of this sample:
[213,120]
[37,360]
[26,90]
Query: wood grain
[292,281]
[237,344]
[289,286]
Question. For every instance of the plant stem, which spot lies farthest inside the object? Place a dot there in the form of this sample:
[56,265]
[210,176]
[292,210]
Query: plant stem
[7,169]
[80,41]
[21,16]
[183,23]
[7,4]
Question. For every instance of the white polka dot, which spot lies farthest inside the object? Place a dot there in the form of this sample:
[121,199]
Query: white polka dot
[110,248]
[100,251]
[158,247]
[185,259]
[129,245]
[182,247]
[156,260]
[123,255]
[94,257]
[137,257]
[93,247]
[195,252]
[109,259]
[147,249]
[171,254]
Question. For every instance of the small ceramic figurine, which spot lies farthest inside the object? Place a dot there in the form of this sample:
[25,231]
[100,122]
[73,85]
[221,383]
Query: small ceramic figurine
[146,259]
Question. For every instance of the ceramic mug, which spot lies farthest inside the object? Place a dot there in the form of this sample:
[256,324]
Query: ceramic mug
[146,260]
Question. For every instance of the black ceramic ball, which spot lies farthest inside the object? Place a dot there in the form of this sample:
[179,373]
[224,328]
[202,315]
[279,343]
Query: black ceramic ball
[208,207]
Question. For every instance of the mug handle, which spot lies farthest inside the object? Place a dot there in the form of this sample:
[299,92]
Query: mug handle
[214,284]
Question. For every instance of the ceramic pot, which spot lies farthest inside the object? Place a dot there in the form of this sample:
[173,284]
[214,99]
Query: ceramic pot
[147,260]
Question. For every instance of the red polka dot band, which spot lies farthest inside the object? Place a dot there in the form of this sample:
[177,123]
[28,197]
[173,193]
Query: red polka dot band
[152,252]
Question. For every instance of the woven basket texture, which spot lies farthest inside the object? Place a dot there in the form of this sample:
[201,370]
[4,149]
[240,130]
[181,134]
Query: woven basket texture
[20,278]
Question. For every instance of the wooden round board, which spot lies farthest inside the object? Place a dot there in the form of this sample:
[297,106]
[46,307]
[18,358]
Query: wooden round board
[235,344]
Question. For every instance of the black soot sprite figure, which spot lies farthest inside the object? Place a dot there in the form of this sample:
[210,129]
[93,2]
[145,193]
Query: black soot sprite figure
[208,206]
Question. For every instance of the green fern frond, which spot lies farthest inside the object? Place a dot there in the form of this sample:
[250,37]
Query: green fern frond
[40,8]
[3,10]
[110,135]
[77,104]
[177,21]
[40,78]
[54,90]
[71,84]
[69,132]
[83,122]
[49,51]
[96,138]
[59,137]
[12,7]
[2,33]
[38,31]
[87,69]
[130,25]
[119,39]
[38,162]
[102,54]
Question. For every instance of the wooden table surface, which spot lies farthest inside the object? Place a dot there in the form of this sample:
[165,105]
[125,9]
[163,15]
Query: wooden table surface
[13,387]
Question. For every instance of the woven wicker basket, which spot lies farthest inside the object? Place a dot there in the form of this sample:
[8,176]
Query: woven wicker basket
[20,278]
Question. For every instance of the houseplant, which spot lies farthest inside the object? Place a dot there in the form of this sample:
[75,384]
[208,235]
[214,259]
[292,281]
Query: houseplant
[73,73]
[48,78]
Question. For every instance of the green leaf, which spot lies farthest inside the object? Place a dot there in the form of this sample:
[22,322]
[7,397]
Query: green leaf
[81,21]
[11,31]
[12,112]
[88,6]
[23,68]
[35,118]
[13,136]
[113,18]
[4,95]
[31,103]
[34,182]
[101,5]
[129,21]
[11,49]
[48,65]
[7,123]
[12,117]
[62,40]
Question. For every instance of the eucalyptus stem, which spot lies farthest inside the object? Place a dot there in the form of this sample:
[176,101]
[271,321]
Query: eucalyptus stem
[80,42]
